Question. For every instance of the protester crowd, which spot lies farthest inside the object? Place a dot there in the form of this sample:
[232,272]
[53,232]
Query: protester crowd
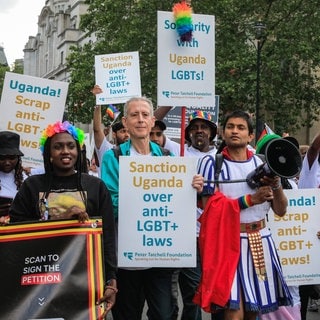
[238,274]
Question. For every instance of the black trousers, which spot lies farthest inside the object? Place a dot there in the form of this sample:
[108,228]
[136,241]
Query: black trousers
[305,292]
[137,286]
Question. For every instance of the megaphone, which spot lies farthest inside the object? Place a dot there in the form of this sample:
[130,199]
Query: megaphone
[283,159]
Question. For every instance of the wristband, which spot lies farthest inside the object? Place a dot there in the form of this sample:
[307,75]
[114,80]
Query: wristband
[96,106]
[245,201]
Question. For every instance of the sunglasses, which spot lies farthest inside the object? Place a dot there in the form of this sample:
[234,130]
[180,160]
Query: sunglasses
[157,133]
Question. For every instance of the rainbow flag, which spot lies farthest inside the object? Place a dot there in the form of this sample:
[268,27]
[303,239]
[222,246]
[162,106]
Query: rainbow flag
[112,112]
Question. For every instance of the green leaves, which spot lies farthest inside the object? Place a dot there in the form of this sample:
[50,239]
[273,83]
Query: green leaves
[289,58]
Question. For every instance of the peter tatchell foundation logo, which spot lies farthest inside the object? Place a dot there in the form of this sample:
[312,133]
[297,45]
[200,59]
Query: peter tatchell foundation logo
[128,255]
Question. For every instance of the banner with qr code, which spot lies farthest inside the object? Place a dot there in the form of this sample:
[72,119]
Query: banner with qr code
[51,270]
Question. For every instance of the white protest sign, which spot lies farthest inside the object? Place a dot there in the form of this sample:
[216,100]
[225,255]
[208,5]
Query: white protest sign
[296,239]
[28,105]
[157,212]
[88,144]
[118,75]
[186,70]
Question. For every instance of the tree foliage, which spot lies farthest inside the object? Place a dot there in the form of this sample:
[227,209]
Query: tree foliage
[289,93]
[16,68]
[3,70]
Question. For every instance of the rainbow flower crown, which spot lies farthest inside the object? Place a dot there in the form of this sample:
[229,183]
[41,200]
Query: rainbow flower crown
[59,127]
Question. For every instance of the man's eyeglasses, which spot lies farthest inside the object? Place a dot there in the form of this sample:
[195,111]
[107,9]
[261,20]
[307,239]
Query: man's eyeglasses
[157,133]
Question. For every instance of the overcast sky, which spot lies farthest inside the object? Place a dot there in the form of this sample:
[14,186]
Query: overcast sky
[18,21]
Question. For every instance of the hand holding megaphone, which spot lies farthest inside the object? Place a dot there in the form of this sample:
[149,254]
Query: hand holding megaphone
[283,159]
[263,194]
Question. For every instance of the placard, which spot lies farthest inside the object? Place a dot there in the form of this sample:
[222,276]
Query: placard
[295,235]
[157,212]
[51,270]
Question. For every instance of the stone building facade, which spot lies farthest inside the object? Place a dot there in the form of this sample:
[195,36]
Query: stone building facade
[58,29]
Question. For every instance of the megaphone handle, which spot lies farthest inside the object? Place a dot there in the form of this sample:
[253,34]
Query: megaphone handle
[225,181]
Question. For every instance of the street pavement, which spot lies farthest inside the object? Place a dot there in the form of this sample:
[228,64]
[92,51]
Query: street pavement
[313,315]
[310,316]
[206,316]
